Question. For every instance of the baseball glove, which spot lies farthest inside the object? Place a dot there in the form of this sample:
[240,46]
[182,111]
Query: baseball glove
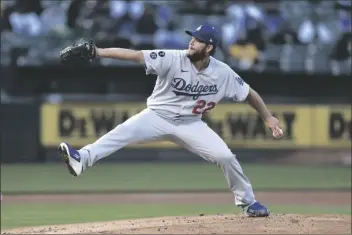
[78,54]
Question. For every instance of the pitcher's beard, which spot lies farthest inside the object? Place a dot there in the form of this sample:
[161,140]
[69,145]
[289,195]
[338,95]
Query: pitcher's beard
[197,57]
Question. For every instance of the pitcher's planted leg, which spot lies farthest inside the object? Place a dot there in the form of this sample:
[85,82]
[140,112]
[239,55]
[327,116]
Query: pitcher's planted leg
[203,141]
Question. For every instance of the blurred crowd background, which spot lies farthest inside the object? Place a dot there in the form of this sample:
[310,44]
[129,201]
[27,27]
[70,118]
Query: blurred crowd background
[286,35]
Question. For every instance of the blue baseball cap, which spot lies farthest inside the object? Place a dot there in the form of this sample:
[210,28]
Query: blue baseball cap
[206,34]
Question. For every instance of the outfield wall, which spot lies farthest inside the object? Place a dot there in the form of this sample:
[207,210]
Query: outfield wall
[32,132]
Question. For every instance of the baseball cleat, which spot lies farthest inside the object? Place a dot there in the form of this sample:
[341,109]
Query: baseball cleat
[256,210]
[72,158]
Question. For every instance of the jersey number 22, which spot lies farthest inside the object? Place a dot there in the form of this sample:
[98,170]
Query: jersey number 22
[203,107]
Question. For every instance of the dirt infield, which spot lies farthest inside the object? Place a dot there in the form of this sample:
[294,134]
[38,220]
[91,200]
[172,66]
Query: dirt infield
[203,224]
[218,224]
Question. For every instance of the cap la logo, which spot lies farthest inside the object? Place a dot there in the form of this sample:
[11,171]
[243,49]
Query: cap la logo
[199,28]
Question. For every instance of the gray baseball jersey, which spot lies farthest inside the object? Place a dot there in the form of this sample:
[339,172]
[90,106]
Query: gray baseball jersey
[182,92]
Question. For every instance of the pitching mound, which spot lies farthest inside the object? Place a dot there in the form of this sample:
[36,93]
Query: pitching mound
[215,224]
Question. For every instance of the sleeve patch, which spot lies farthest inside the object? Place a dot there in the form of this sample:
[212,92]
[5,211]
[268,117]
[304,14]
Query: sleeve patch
[239,80]
[161,53]
[153,55]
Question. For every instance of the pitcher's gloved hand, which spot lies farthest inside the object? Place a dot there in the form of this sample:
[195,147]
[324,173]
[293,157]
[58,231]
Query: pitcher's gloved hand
[79,54]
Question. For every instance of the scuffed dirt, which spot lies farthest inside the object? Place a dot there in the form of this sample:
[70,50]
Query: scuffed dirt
[218,224]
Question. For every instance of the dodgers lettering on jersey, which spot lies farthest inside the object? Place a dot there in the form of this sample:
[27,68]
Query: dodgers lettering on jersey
[183,92]
[181,88]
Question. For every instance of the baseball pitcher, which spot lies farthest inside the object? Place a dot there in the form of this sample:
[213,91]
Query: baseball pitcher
[190,83]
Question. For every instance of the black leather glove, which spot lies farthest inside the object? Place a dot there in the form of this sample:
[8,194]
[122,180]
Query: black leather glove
[79,54]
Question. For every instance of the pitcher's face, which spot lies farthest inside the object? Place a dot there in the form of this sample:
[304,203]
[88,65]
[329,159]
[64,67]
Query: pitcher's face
[197,50]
